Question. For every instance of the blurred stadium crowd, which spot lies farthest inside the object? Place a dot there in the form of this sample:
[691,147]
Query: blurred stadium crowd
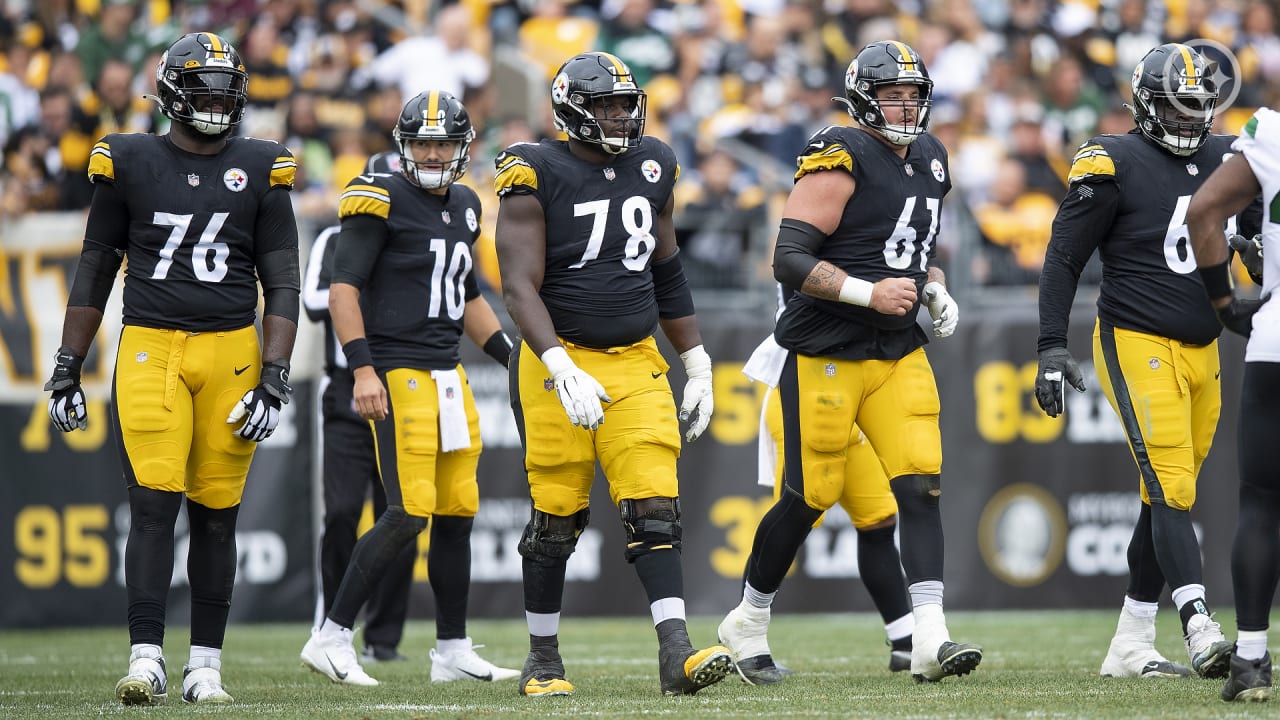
[735,86]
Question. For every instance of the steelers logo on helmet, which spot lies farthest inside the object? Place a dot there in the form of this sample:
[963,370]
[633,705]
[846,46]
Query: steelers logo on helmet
[201,84]
[888,91]
[1175,95]
[595,100]
[434,115]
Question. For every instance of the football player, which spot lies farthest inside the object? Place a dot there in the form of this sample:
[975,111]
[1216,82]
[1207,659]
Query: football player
[1256,547]
[856,266]
[401,296]
[204,218]
[587,250]
[1154,341]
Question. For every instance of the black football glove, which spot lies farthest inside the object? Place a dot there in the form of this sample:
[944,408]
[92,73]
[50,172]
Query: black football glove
[1056,365]
[260,407]
[66,405]
[1238,315]
[1250,251]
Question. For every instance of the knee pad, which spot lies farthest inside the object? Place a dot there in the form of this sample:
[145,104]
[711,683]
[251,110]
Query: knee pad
[916,492]
[400,527]
[551,539]
[651,524]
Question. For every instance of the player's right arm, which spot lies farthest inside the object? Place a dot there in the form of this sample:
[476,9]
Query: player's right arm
[363,209]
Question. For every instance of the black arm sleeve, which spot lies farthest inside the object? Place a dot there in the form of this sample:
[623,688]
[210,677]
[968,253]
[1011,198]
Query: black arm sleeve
[670,288]
[1083,219]
[359,244]
[276,242]
[796,252]
[106,238]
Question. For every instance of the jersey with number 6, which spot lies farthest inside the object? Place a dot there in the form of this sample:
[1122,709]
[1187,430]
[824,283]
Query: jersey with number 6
[192,244]
[601,225]
[888,229]
[415,294]
[1259,142]
[1149,282]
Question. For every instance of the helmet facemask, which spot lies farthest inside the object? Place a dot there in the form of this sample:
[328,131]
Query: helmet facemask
[421,173]
[434,115]
[612,131]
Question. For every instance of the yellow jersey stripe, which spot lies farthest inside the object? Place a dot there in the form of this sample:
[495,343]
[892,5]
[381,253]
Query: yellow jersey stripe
[364,200]
[283,171]
[513,173]
[833,157]
[100,162]
[1094,165]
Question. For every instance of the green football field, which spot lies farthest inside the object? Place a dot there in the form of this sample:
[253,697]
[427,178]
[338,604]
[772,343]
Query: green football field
[1037,665]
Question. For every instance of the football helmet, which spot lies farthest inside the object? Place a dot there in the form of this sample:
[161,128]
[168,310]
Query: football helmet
[581,85]
[434,115]
[1175,93]
[202,84]
[887,62]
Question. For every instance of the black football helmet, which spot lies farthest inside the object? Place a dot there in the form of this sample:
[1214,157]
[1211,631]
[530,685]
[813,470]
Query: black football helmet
[202,84]
[887,62]
[584,80]
[1175,93]
[434,115]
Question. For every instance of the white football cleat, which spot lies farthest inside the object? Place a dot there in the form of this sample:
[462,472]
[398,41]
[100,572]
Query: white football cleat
[1133,653]
[146,683]
[334,656]
[467,665]
[203,685]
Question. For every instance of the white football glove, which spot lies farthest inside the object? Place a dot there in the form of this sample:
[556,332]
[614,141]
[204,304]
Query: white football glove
[66,405]
[942,308]
[259,409]
[579,393]
[699,401]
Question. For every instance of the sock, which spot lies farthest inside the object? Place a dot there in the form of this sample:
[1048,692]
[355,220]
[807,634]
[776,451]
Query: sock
[755,598]
[1189,600]
[332,627]
[1137,608]
[145,650]
[1251,645]
[925,592]
[899,632]
[452,645]
[666,609]
[202,656]
[542,624]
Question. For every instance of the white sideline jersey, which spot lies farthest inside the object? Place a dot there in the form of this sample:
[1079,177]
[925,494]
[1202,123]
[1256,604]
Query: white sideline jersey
[1259,142]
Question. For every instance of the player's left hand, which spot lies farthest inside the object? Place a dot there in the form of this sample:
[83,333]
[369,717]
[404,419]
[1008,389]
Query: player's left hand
[66,405]
[699,401]
[942,308]
[259,409]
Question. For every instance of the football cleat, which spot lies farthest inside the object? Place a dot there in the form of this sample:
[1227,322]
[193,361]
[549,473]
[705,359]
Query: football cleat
[745,632]
[933,654]
[202,685]
[381,653]
[333,656]
[899,660]
[685,672]
[466,665]
[146,683]
[1132,652]
[1248,680]
[1209,651]
[543,672]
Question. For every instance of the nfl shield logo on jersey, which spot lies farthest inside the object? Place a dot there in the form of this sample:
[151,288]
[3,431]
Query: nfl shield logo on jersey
[444,215]
[413,383]
[1192,169]
[548,384]
[609,174]
[193,179]
[830,369]
[448,393]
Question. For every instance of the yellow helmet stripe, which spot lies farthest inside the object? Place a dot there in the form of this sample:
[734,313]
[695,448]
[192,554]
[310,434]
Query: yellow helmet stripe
[1192,78]
[215,43]
[433,107]
[620,69]
[908,63]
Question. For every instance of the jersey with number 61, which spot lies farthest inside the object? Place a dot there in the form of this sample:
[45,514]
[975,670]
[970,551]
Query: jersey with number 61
[415,293]
[192,244]
[888,229]
[601,231]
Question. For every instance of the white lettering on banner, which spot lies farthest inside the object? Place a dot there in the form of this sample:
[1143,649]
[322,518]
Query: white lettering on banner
[1090,418]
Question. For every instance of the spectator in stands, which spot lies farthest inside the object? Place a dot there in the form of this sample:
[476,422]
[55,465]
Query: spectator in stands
[722,222]
[445,60]
[1015,224]
[112,35]
[632,36]
[265,59]
[553,33]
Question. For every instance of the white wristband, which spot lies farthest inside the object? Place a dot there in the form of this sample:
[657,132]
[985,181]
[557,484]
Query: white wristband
[856,292]
[696,360]
[557,360]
